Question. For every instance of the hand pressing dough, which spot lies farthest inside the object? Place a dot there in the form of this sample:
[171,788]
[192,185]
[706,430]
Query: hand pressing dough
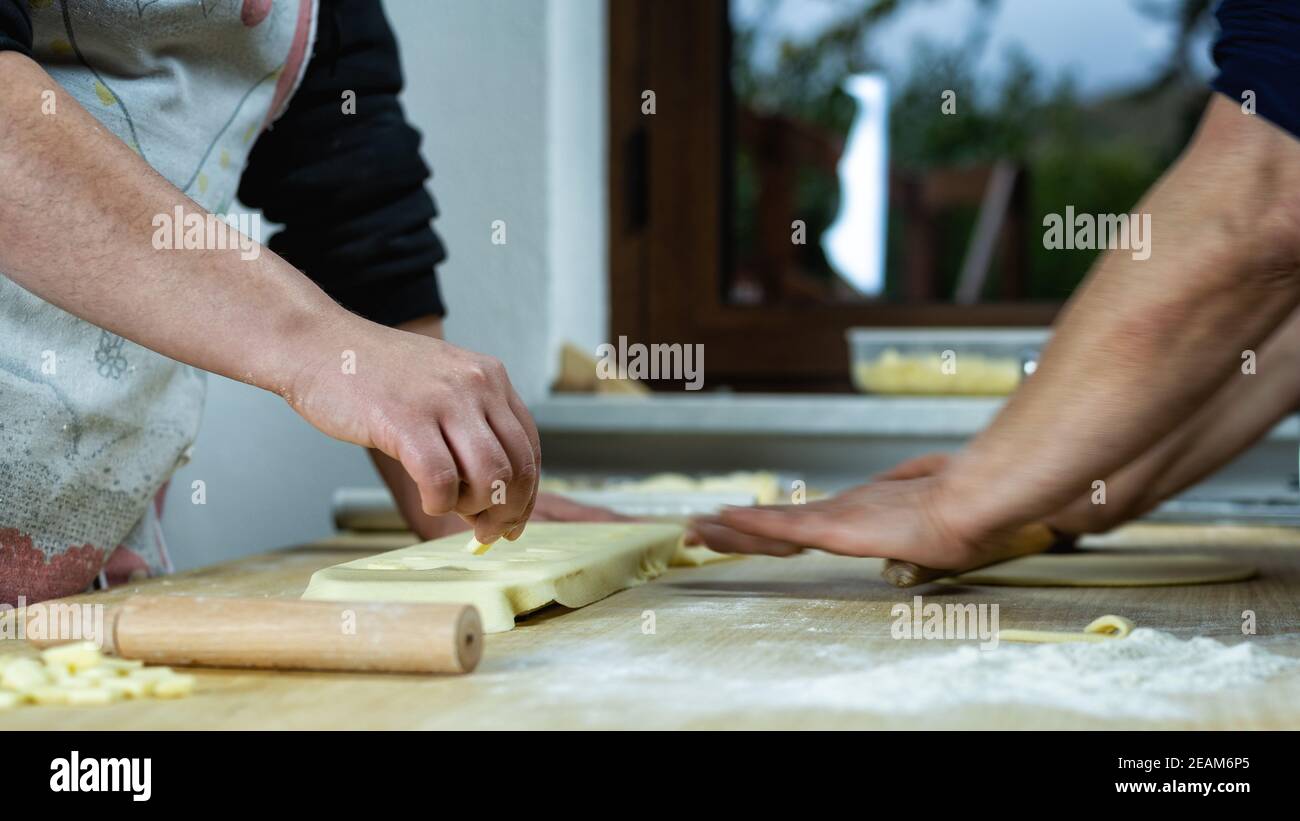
[1106,569]
[569,564]
[1101,629]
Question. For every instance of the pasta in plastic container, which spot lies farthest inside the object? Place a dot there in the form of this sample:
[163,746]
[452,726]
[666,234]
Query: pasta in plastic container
[943,361]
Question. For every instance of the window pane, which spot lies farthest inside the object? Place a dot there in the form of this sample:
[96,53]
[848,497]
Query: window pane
[910,151]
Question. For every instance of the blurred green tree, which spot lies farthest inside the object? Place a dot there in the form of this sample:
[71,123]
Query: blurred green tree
[1097,155]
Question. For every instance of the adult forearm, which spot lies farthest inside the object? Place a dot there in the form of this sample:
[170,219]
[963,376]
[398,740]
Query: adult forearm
[77,228]
[1145,341]
[1244,409]
[1233,422]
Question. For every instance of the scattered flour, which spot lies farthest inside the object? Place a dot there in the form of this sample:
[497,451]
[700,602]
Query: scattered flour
[1141,676]
[1145,676]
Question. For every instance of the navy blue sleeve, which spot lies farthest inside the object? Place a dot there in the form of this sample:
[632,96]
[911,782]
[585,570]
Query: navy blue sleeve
[1258,50]
[15,27]
[349,188]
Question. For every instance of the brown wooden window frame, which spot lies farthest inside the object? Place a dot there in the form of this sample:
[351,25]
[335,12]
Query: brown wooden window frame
[668,230]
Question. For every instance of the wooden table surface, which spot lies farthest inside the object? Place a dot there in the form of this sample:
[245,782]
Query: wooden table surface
[735,644]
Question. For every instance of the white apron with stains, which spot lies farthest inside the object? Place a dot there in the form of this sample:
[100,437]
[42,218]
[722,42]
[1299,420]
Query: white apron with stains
[91,425]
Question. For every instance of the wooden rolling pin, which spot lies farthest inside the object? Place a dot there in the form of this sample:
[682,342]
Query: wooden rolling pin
[1028,540]
[288,634]
[366,509]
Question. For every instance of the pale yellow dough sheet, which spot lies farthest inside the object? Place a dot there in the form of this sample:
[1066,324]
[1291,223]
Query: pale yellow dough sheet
[699,555]
[568,564]
[686,555]
[1108,569]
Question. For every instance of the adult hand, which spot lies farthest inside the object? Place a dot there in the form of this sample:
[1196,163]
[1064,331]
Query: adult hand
[549,506]
[904,519]
[449,416]
[927,464]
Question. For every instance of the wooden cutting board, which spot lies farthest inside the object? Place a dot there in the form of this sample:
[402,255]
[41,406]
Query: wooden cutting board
[715,627]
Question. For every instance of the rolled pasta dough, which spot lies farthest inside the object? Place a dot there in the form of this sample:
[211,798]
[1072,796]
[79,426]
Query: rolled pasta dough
[1105,628]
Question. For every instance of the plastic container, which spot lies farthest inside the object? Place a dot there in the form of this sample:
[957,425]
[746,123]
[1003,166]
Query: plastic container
[943,361]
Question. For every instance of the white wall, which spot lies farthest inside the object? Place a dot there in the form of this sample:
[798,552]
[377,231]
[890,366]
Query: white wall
[579,310]
[476,75]
[509,95]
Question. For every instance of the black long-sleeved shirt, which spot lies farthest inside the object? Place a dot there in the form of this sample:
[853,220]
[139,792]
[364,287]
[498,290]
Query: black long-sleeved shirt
[1258,50]
[15,27]
[349,188]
